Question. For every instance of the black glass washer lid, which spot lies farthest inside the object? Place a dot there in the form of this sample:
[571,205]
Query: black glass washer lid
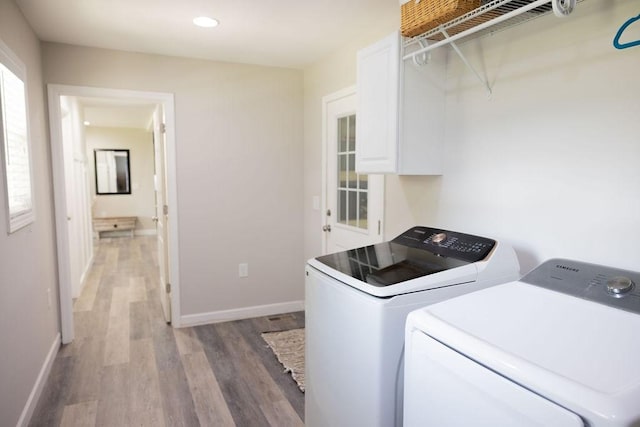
[418,252]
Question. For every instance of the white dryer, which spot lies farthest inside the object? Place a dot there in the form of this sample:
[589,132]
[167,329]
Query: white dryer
[560,347]
[356,307]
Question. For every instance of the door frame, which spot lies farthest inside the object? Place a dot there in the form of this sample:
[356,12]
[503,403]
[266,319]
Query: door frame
[326,100]
[55,91]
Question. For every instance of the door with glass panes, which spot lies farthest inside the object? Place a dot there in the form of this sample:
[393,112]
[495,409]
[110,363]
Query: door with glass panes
[353,202]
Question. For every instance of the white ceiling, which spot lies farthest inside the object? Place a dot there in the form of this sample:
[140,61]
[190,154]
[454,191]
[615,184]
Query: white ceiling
[103,112]
[283,33]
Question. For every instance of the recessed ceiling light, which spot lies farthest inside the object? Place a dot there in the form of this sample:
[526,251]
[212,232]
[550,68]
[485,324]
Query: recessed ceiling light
[87,123]
[205,21]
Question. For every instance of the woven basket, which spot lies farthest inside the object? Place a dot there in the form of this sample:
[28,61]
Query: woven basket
[424,15]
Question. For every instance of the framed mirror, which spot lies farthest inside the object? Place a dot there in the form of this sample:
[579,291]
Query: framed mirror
[112,171]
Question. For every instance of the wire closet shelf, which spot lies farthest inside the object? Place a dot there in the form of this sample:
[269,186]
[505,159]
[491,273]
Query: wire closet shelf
[492,16]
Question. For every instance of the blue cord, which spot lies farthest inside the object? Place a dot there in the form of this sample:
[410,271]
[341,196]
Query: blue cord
[616,39]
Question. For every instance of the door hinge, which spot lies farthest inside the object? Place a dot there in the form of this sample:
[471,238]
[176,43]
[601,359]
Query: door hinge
[165,209]
[168,288]
[163,128]
[379,225]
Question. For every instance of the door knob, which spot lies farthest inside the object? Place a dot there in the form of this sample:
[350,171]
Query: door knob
[154,218]
[326,228]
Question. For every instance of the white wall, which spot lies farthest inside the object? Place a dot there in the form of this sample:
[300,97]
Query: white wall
[549,163]
[239,168]
[28,271]
[141,202]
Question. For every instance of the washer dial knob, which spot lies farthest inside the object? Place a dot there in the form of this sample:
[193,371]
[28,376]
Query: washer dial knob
[619,285]
[439,238]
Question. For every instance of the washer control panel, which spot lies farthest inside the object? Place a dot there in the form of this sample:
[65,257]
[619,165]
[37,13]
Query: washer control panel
[447,243]
[605,285]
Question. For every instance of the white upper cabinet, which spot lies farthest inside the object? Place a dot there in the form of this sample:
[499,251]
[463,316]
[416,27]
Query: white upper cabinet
[377,108]
[400,111]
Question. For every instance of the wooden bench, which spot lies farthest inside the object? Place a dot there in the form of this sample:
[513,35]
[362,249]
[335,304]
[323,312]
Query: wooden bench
[117,223]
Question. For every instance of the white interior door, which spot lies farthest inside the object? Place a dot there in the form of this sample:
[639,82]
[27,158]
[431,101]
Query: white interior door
[353,203]
[70,192]
[78,207]
[162,211]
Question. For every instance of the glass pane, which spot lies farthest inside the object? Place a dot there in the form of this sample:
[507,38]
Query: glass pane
[342,170]
[352,213]
[353,178]
[352,187]
[343,135]
[363,182]
[352,133]
[342,206]
[362,210]
[13,137]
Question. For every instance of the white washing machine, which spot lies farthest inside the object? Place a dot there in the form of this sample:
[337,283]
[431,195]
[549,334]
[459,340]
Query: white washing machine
[560,347]
[356,307]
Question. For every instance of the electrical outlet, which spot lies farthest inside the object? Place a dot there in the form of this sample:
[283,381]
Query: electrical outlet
[243,269]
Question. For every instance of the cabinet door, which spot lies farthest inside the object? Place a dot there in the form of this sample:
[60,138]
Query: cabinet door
[377,106]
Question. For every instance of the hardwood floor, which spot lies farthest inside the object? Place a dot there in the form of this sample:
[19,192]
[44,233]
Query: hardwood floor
[127,367]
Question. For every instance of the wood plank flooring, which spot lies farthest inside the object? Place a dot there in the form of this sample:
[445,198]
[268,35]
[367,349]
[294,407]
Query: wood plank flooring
[127,367]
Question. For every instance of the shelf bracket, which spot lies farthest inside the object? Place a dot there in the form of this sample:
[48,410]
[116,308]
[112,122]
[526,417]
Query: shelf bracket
[484,82]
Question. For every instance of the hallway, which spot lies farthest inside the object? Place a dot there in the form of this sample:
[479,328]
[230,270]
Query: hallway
[128,367]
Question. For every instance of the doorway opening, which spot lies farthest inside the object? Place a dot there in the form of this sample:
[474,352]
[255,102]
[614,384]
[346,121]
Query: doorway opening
[72,177]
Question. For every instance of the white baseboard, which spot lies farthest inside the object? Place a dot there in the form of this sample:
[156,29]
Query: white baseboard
[34,396]
[240,313]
